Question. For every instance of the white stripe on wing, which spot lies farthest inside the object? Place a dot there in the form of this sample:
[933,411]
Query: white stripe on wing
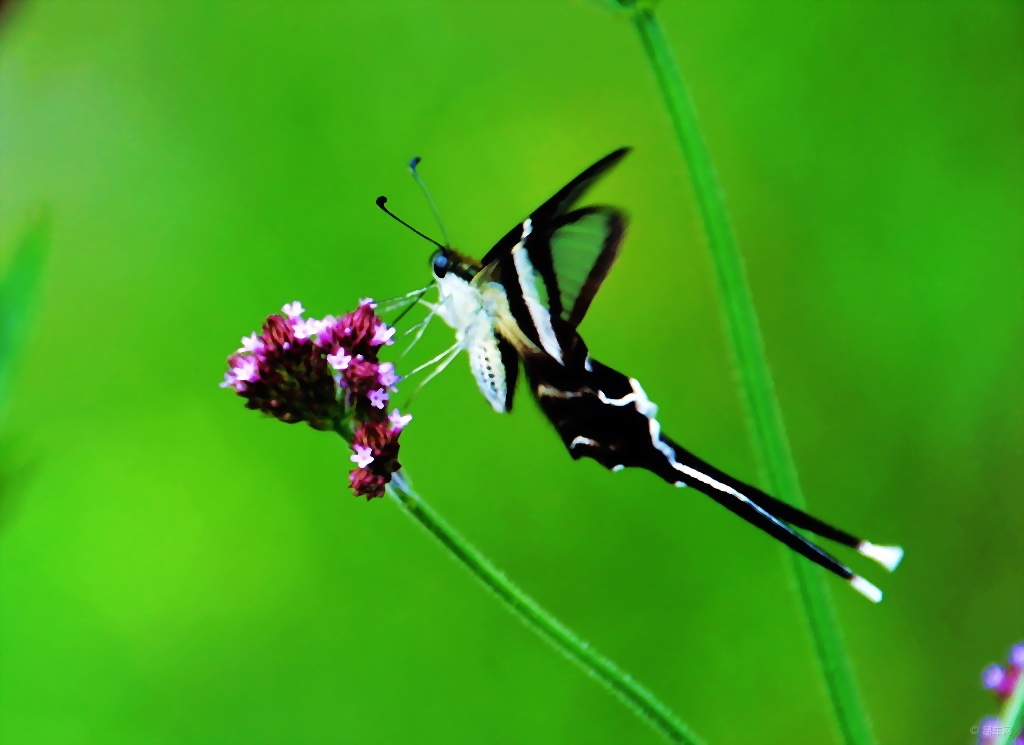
[539,314]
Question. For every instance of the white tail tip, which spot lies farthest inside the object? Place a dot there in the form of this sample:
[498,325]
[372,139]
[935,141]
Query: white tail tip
[888,556]
[866,589]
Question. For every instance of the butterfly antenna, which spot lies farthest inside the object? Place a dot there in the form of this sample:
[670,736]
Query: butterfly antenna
[382,200]
[430,200]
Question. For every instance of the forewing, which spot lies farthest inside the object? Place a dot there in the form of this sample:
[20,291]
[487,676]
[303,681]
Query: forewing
[551,265]
[574,257]
[557,205]
[551,275]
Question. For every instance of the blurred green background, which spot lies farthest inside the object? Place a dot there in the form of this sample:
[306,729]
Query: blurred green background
[175,569]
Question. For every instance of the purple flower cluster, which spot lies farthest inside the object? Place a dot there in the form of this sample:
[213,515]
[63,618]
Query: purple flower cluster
[326,372]
[1002,681]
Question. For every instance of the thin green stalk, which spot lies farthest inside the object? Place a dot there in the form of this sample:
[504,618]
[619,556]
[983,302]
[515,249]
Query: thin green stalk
[634,695]
[747,349]
[18,290]
[1012,718]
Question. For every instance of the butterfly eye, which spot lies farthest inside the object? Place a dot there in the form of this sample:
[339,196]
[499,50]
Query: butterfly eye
[440,263]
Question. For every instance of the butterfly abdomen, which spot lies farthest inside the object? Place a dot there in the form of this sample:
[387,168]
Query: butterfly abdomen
[493,363]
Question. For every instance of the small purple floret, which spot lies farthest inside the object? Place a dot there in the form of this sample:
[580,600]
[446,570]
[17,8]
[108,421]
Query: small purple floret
[309,329]
[293,310]
[363,456]
[382,335]
[251,343]
[398,421]
[387,376]
[1017,655]
[378,398]
[339,360]
[993,677]
[246,369]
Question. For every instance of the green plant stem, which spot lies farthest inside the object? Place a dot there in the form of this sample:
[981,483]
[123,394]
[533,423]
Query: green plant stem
[747,349]
[634,695]
[1012,717]
[19,288]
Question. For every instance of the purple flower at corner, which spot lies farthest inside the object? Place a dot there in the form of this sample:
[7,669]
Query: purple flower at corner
[326,373]
[1002,680]
[1017,655]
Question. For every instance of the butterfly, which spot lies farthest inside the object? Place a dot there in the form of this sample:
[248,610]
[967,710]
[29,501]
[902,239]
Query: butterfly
[521,306]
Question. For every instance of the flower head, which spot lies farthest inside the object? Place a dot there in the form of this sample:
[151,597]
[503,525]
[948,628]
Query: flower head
[326,373]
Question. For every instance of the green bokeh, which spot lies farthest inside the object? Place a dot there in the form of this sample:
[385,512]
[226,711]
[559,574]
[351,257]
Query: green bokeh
[177,570]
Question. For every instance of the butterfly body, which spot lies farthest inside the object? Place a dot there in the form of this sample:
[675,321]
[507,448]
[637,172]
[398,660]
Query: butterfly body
[522,305]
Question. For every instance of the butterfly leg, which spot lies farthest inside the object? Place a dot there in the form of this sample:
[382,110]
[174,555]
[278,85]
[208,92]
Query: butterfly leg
[444,359]
[391,303]
[451,351]
[419,329]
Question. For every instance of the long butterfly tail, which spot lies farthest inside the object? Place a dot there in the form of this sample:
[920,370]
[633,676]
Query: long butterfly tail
[604,415]
[888,556]
[682,468]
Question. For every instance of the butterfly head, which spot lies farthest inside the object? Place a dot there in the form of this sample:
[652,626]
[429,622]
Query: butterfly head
[440,263]
[445,261]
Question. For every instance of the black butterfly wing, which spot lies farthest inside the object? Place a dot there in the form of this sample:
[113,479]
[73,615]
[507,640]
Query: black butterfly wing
[551,266]
[550,277]
[573,256]
[557,205]
[601,414]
